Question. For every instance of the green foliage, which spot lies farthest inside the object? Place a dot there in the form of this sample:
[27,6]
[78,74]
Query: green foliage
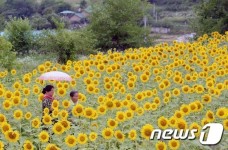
[19,8]
[83,4]
[39,22]
[116,24]
[7,57]
[53,6]
[18,32]
[212,16]
[68,43]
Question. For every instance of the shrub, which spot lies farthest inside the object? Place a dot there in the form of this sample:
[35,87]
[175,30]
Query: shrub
[18,32]
[7,57]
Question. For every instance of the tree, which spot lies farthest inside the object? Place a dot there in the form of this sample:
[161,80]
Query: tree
[116,24]
[83,4]
[19,8]
[212,15]
[7,57]
[18,32]
[55,6]
[69,43]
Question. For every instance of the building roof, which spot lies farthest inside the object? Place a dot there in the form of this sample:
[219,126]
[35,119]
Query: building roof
[67,12]
[81,15]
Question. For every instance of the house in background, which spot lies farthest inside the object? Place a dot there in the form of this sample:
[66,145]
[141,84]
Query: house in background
[78,19]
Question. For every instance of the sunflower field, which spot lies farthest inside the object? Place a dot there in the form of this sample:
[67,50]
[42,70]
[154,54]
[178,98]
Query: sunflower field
[123,97]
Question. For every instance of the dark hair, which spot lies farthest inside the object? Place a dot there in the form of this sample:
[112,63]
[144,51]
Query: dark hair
[72,93]
[47,88]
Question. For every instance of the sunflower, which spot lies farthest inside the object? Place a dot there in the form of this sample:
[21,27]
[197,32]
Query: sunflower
[146,131]
[130,85]
[205,121]
[7,104]
[16,100]
[1,145]
[102,109]
[181,124]
[195,125]
[107,86]
[70,140]
[129,114]
[28,145]
[147,106]
[63,114]
[210,116]
[163,122]
[47,119]
[109,104]
[125,103]
[41,68]
[18,114]
[36,90]
[120,116]
[101,67]
[112,123]
[107,133]
[225,124]
[66,104]
[139,96]
[36,123]
[12,136]
[52,147]
[8,95]
[26,91]
[88,112]
[92,136]
[46,110]
[82,138]
[119,136]
[26,80]
[73,83]
[161,145]
[17,85]
[2,92]
[90,88]
[176,92]
[40,97]
[178,114]
[117,104]
[55,113]
[157,100]
[186,89]
[154,106]
[172,121]
[5,127]
[174,144]
[206,98]
[144,78]
[222,112]
[185,109]
[28,115]
[78,110]
[13,71]
[66,124]
[199,105]
[61,92]
[58,128]
[132,134]
[43,136]
[199,89]
[140,111]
